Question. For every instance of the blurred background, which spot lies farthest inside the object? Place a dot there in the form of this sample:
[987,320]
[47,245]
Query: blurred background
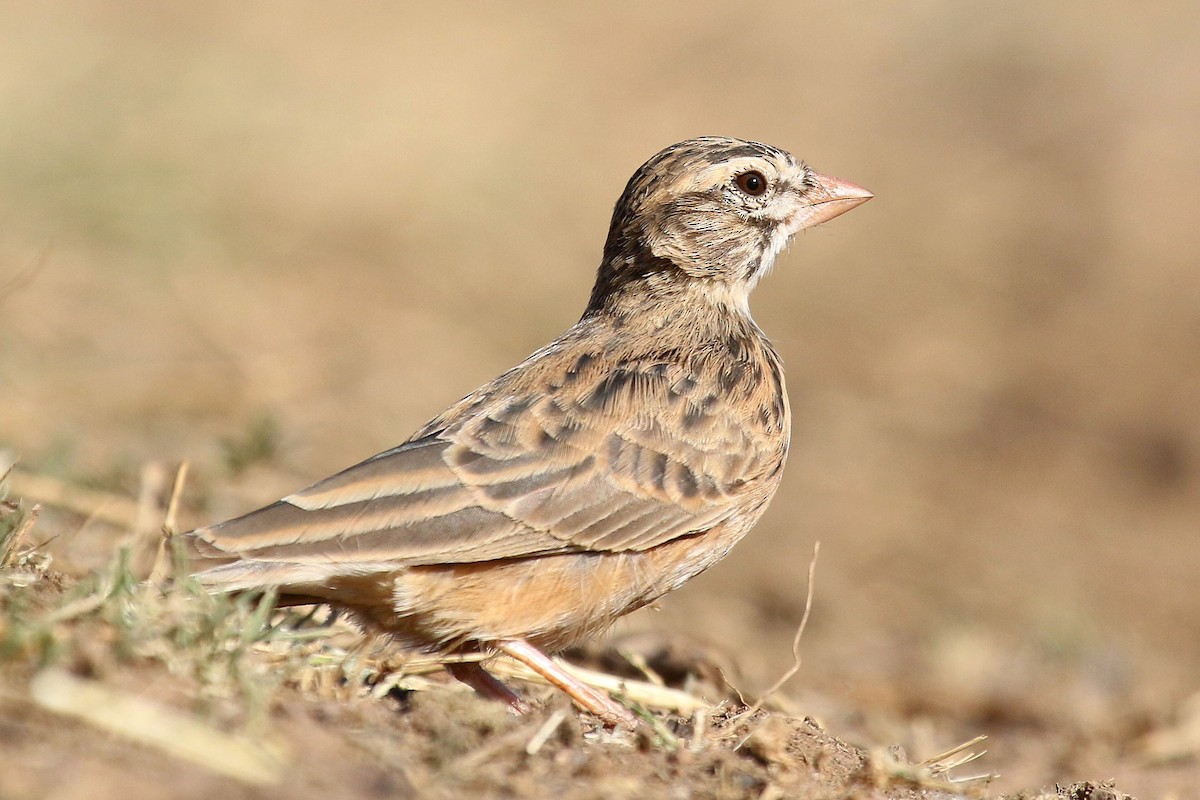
[273,239]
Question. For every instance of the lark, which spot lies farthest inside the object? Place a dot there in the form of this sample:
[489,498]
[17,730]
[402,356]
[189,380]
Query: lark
[603,471]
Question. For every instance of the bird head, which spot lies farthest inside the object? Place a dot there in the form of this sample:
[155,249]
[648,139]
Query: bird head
[715,209]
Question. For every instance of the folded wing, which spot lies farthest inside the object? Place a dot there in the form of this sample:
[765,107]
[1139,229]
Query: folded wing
[627,460]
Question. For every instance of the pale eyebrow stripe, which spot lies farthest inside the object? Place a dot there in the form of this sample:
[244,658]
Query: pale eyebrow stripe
[716,174]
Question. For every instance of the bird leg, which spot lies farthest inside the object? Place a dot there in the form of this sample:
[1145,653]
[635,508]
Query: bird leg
[482,681]
[610,712]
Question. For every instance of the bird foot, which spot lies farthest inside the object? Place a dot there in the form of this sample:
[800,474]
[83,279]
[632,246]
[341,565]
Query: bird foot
[592,700]
[611,713]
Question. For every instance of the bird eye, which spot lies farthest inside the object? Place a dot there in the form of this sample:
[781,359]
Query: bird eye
[752,183]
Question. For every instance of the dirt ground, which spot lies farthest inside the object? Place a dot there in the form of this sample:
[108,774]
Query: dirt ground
[270,241]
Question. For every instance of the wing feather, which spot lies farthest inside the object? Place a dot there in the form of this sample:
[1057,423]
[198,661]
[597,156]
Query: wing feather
[593,459]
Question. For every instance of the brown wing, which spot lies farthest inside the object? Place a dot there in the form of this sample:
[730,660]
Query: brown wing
[596,459]
[621,460]
[402,507]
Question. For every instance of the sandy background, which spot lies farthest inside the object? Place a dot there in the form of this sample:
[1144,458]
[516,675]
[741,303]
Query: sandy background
[322,224]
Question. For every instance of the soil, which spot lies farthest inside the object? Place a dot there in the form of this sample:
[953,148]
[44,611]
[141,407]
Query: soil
[315,737]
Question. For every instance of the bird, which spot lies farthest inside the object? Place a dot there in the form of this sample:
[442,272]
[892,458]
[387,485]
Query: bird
[605,470]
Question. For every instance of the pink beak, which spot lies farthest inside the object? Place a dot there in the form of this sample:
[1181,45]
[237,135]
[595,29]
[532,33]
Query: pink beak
[832,198]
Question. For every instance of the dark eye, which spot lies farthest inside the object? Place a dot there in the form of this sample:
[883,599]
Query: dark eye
[752,183]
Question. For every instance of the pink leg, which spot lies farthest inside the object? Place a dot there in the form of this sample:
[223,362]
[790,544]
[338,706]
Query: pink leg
[610,712]
[482,681]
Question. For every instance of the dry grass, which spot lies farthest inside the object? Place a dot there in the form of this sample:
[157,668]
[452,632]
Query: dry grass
[69,647]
